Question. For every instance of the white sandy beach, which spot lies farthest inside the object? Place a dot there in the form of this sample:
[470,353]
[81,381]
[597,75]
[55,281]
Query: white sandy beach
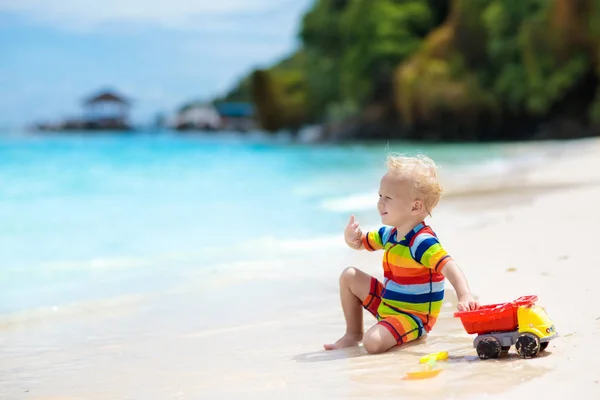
[259,335]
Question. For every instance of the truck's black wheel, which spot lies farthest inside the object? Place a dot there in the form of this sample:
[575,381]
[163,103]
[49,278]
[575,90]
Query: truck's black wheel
[505,350]
[489,347]
[528,345]
[544,345]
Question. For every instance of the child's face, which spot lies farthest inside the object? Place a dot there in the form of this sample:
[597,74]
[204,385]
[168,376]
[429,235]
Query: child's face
[396,204]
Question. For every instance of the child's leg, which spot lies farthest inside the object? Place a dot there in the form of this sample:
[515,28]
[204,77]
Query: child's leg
[354,289]
[391,331]
[378,339]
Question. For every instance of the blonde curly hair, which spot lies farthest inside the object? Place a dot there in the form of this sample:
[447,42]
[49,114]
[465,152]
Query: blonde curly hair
[421,173]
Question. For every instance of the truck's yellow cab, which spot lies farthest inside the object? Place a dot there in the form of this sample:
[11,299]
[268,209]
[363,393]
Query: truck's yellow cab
[535,320]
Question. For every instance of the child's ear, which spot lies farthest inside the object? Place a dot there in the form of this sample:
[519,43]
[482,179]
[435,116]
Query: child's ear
[417,207]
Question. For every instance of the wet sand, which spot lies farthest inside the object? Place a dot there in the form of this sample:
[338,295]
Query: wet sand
[260,335]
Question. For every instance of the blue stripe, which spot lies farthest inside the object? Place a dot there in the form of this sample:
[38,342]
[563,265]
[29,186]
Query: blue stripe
[421,288]
[418,240]
[418,227]
[413,298]
[412,233]
[423,247]
[384,234]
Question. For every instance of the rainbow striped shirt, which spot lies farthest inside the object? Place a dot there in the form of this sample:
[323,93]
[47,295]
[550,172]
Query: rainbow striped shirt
[412,269]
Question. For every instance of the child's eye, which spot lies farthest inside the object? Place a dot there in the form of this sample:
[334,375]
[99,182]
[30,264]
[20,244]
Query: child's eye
[388,197]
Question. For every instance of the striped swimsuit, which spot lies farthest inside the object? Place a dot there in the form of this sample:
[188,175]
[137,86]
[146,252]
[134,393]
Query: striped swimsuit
[410,298]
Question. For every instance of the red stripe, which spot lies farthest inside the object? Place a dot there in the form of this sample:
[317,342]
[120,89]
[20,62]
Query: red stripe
[373,299]
[392,330]
[414,280]
[424,229]
[429,325]
[373,289]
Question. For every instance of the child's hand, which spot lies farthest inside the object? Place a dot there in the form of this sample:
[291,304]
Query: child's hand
[467,302]
[353,234]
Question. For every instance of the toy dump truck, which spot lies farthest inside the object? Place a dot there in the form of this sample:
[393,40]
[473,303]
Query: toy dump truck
[499,326]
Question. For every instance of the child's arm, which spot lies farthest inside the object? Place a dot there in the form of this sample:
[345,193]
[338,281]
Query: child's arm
[356,239]
[466,300]
[427,250]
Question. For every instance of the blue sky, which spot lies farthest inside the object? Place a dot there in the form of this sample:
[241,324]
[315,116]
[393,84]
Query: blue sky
[161,54]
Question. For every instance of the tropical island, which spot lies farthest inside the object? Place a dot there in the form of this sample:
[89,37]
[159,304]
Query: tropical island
[443,70]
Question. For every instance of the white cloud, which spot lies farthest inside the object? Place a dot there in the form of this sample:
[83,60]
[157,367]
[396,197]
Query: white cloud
[180,14]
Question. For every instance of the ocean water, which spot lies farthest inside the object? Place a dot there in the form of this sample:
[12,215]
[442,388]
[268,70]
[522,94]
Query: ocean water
[91,218]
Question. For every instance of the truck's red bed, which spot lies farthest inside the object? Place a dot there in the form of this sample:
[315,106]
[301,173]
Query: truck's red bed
[494,317]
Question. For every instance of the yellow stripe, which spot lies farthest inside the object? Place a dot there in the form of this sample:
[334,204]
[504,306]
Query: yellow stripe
[375,240]
[402,260]
[408,323]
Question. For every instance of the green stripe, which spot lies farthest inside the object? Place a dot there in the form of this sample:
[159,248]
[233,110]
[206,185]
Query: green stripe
[430,252]
[376,238]
[422,308]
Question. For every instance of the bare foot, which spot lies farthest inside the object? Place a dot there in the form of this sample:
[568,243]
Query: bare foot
[348,340]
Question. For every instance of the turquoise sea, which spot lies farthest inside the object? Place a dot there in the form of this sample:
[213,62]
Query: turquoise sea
[86,218]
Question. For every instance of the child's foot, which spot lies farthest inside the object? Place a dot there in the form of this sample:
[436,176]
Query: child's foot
[348,340]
